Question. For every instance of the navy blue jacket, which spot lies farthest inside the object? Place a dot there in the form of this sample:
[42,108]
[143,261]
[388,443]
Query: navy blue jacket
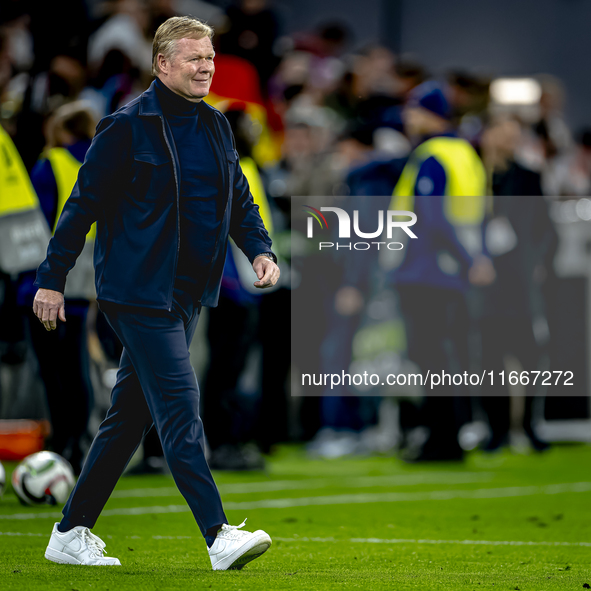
[129,185]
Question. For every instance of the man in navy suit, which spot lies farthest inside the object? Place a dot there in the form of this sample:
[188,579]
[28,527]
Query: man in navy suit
[163,183]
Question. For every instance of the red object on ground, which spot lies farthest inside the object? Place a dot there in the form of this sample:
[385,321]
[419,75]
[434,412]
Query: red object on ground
[21,438]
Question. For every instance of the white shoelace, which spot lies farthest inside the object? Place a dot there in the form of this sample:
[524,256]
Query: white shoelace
[94,543]
[231,531]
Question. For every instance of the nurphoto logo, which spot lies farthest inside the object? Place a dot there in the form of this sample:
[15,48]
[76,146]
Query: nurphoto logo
[345,226]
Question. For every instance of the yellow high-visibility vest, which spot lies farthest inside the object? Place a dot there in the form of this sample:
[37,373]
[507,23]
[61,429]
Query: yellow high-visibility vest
[465,175]
[65,170]
[251,172]
[16,191]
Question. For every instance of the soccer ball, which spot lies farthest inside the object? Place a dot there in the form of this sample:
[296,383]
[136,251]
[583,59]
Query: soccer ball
[2,479]
[44,477]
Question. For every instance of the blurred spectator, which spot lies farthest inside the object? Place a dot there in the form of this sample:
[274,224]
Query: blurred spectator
[289,80]
[114,84]
[328,39]
[368,89]
[67,385]
[312,66]
[161,10]
[40,33]
[307,166]
[551,128]
[16,47]
[127,30]
[521,241]
[62,82]
[38,28]
[236,86]
[469,98]
[6,67]
[377,177]
[546,139]
[409,73]
[570,175]
[250,32]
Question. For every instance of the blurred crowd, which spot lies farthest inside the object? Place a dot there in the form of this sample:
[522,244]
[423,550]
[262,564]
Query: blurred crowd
[314,114]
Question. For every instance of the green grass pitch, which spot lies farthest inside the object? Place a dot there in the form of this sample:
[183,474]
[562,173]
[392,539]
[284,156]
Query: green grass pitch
[506,522]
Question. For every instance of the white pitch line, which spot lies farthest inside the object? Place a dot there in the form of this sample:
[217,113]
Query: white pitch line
[419,541]
[365,540]
[17,533]
[278,485]
[435,495]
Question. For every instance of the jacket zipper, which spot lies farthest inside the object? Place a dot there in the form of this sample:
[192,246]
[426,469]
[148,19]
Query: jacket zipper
[178,212]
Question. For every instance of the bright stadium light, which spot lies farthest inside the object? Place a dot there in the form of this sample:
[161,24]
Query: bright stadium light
[515,91]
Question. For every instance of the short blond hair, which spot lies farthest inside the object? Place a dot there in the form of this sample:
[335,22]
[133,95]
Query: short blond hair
[173,29]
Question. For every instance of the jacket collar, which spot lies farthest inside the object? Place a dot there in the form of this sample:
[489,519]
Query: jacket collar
[149,103]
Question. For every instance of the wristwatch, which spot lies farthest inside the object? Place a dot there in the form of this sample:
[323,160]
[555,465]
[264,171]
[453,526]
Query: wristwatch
[269,255]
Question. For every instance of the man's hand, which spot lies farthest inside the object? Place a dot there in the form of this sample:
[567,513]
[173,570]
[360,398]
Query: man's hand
[48,307]
[267,272]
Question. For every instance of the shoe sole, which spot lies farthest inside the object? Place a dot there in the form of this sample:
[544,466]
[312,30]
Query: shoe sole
[245,554]
[62,558]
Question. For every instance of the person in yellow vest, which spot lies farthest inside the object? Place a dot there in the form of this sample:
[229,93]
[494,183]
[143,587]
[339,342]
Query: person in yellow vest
[16,191]
[18,203]
[67,383]
[444,183]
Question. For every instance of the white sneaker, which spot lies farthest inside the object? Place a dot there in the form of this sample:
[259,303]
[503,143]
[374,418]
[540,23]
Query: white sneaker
[77,546]
[232,549]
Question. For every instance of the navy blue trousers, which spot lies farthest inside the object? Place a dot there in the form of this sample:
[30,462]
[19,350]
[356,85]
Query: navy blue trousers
[156,385]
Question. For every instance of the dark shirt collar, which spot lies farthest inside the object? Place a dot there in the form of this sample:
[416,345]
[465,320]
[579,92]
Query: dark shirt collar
[172,103]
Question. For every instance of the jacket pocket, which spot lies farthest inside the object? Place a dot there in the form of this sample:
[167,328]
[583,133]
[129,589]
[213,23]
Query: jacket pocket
[152,175]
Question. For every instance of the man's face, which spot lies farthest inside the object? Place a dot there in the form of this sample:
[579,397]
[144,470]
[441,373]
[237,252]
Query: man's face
[190,70]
